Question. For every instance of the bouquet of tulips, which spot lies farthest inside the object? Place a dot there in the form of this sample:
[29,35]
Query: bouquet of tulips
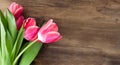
[14,29]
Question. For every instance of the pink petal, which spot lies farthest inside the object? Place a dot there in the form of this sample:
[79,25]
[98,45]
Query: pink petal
[53,27]
[19,22]
[18,12]
[11,7]
[49,37]
[14,8]
[53,37]
[49,26]
[29,22]
[31,33]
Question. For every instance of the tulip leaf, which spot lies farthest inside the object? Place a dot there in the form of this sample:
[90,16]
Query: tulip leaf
[4,52]
[3,20]
[8,39]
[0,57]
[9,42]
[0,38]
[20,39]
[0,46]
[11,25]
[30,54]
[3,42]
[18,43]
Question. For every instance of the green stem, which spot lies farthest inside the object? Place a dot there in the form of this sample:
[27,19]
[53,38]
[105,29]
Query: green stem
[19,55]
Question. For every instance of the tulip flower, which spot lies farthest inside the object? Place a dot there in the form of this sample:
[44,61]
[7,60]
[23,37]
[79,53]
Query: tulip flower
[31,29]
[16,9]
[19,22]
[29,22]
[48,33]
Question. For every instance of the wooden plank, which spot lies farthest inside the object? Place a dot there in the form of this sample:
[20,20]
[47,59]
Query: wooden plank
[90,29]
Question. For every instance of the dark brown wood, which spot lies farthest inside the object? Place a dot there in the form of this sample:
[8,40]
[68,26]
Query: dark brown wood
[90,29]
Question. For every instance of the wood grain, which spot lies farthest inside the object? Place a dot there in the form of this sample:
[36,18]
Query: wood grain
[90,29]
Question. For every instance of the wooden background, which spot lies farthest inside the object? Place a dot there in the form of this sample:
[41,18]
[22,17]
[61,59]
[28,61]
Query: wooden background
[90,29]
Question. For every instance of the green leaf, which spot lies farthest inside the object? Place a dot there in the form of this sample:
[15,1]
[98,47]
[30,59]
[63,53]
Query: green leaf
[0,37]
[3,20]
[0,45]
[8,38]
[11,25]
[0,57]
[18,43]
[4,52]
[3,40]
[9,42]
[30,54]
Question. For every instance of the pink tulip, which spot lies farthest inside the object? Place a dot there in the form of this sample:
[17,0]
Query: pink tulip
[16,9]
[31,33]
[29,22]
[48,33]
[19,22]
[31,29]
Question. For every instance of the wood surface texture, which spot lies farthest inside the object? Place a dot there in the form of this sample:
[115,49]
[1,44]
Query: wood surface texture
[90,29]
